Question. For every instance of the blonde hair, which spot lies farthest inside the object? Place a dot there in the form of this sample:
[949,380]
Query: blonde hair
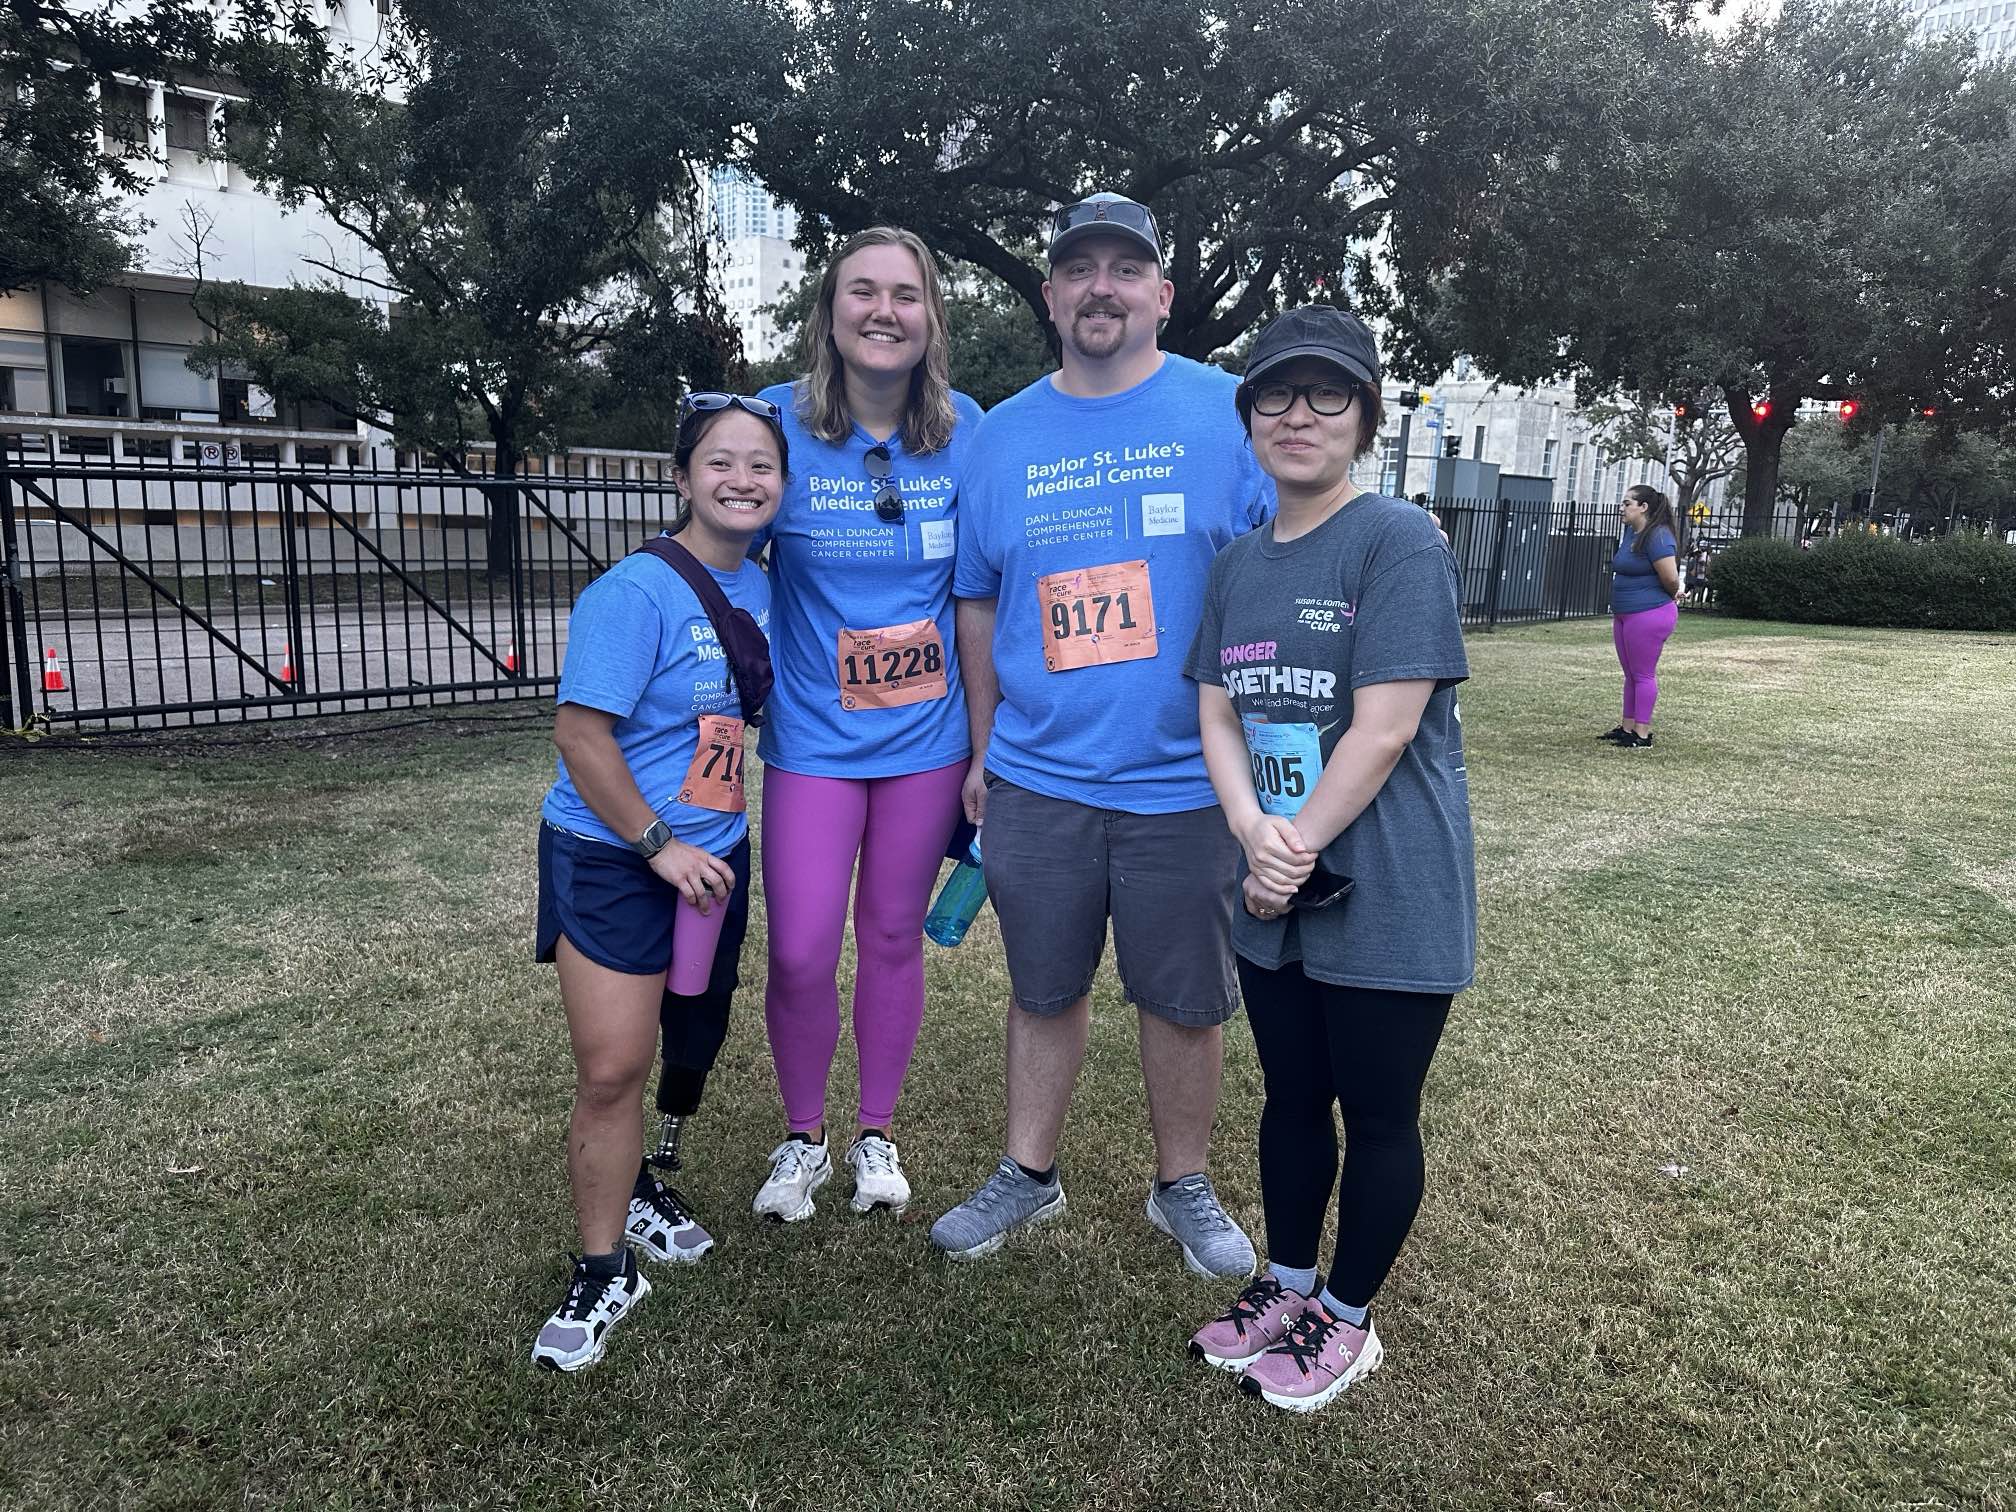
[821,395]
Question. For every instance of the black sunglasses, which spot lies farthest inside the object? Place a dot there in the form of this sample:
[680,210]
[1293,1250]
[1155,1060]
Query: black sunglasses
[888,497]
[708,400]
[1128,213]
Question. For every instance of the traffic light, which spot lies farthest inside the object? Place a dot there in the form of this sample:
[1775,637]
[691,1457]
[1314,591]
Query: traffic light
[1860,501]
[1683,411]
[1452,446]
[1414,398]
[1761,409]
[1930,411]
[1848,409]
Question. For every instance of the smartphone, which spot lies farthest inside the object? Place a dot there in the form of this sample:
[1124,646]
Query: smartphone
[1323,888]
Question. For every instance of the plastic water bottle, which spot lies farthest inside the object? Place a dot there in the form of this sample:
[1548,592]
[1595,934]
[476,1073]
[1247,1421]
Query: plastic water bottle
[959,900]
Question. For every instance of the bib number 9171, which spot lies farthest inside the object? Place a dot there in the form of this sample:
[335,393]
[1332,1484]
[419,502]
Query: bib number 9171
[1094,615]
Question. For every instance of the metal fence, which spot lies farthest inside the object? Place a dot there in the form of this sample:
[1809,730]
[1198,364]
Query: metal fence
[148,592]
[151,592]
[1524,560]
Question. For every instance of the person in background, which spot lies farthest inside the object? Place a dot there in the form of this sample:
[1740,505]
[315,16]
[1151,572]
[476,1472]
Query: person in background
[1644,587]
[647,809]
[866,745]
[1327,661]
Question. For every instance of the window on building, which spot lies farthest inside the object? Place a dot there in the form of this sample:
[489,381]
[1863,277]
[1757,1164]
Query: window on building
[1547,458]
[1477,443]
[1389,464]
[24,374]
[95,380]
[123,111]
[188,124]
[1574,466]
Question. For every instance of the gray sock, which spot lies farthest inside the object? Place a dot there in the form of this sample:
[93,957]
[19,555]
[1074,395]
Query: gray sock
[1355,1316]
[1300,1282]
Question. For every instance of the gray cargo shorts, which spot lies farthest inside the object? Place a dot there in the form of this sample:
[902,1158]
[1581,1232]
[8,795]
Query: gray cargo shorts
[1056,870]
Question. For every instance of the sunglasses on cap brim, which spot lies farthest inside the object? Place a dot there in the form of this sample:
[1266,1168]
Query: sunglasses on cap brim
[1121,214]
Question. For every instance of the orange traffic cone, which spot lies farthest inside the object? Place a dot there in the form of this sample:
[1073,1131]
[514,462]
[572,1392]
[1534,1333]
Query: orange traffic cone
[52,672]
[511,659]
[287,664]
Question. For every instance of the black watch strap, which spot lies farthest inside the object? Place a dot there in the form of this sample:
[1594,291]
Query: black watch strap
[653,840]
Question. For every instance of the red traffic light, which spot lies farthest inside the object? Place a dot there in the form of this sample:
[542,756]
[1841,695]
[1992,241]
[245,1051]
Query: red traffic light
[1761,409]
[1849,409]
[1680,411]
[1929,411]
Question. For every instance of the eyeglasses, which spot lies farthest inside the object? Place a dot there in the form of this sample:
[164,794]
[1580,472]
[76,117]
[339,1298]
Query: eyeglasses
[1127,213]
[888,497]
[1327,398]
[706,401]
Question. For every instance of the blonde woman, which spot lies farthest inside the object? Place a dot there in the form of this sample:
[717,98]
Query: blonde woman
[867,745]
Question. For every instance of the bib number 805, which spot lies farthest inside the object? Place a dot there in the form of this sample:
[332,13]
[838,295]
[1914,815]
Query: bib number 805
[1279,778]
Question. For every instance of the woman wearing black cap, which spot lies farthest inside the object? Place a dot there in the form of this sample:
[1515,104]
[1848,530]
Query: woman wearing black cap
[1326,665]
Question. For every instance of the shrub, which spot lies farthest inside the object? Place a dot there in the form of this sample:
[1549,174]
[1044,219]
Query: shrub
[1965,582]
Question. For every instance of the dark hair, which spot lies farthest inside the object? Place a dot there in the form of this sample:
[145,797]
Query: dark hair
[1371,409]
[694,428]
[1658,512]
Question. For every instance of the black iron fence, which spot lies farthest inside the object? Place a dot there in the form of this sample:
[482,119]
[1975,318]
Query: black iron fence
[1525,560]
[150,592]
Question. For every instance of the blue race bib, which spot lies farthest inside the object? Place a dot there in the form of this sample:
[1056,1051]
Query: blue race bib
[1287,760]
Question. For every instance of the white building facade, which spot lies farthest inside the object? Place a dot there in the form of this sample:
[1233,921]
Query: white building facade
[756,264]
[1993,22]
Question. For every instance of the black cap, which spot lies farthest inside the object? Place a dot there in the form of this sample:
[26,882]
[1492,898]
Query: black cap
[1323,331]
[1105,214]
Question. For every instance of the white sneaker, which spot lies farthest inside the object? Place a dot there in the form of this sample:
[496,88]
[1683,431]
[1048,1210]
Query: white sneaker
[878,1176]
[797,1170]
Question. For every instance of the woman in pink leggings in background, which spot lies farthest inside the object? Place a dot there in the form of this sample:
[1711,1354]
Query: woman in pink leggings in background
[866,747]
[1644,584]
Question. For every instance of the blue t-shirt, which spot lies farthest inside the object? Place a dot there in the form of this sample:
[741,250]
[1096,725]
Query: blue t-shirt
[1634,581]
[640,646]
[1145,486]
[834,566]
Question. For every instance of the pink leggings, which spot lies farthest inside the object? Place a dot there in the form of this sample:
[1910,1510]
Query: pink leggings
[1639,639]
[813,827]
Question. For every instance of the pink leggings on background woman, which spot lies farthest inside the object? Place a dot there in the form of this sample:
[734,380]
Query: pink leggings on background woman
[1639,639]
[813,828]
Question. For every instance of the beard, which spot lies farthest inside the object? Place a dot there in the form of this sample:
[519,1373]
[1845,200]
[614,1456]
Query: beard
[1098,341]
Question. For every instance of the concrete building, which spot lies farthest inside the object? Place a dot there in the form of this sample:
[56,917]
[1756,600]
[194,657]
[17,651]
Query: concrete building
[1993,22]
[106,374]
[756,263]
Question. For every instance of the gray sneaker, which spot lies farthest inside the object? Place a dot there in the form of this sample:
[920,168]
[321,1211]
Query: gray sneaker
[1008,1200]
[1212,1244]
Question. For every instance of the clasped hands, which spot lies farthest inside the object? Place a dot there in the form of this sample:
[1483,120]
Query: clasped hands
[1277,862]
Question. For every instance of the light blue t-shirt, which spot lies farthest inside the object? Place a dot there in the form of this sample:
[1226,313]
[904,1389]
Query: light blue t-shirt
[640,646]
[1160,476]
[1634,580]
[834,565]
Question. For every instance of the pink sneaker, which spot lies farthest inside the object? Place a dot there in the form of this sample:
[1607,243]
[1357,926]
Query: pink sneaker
[1318,1357]
[1254,1323]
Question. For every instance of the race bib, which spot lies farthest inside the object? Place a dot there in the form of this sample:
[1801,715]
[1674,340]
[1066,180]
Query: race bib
[892,666]
[1093,615]
[1287,760]
[714,780]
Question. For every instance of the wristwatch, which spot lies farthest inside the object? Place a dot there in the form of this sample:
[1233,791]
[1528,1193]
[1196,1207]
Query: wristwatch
[653,840]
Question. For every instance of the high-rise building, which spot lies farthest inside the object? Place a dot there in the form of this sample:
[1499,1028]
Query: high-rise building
[1992,21]
[738,206]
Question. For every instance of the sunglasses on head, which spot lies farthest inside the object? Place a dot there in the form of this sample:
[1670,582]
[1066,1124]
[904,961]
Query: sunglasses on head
[708,400]
[888,498]
[1135,217]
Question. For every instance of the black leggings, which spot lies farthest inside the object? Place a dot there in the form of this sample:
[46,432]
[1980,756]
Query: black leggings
[694,1028]
[1368,1052]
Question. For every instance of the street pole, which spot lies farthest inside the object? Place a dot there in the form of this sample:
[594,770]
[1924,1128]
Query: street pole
[1400,472]
[1875,472]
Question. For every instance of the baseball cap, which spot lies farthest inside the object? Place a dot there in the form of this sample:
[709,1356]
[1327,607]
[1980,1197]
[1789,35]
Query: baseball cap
[1105,214]
[1315,331]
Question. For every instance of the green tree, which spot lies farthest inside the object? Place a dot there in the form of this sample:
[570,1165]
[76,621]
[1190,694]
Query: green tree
[1274,140]
[521,182]
[1814,204]
[1690,436]
[61,180]
[1938,479]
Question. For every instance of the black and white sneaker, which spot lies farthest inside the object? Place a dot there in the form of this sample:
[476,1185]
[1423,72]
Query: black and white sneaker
[577,1333]
[1617,736]
[662,1225]
[1635,743]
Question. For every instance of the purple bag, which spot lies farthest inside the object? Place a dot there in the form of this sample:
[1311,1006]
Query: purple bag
[742,639]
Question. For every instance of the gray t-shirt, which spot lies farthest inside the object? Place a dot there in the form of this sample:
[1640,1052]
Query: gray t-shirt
[1291,630]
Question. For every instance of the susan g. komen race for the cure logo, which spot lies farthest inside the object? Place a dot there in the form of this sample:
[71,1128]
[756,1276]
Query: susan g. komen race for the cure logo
[1325,616]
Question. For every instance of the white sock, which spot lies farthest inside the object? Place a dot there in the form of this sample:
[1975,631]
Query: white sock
[1355,1316]
[1300,1282]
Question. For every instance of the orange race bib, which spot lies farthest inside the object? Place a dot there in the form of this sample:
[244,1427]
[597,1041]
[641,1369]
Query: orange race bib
[714,780]
[1093,615]
[892,666]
